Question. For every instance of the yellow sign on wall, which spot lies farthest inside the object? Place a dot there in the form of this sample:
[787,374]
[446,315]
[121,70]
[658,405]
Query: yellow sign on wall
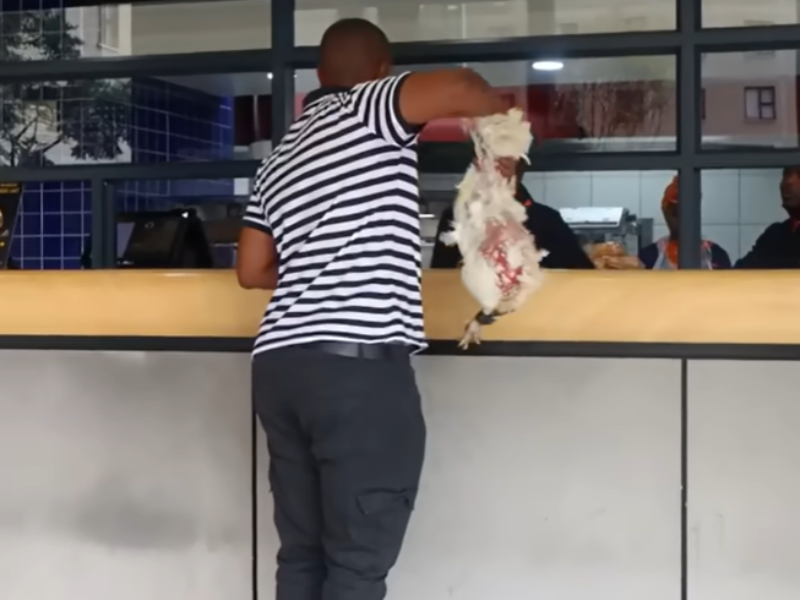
[10,195]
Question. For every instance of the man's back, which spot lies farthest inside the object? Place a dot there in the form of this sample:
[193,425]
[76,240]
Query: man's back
[340,196]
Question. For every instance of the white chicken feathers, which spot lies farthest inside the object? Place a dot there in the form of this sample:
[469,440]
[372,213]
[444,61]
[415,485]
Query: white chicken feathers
[500,259]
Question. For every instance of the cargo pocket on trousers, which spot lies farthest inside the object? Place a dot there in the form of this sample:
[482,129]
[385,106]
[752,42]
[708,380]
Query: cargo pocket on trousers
[385,515]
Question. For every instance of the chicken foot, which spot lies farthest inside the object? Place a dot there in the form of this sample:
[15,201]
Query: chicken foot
[472,332]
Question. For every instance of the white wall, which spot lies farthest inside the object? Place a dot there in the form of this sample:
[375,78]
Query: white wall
[744,535]
[737,204]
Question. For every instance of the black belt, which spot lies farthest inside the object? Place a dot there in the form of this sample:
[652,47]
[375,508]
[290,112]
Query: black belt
[368,351]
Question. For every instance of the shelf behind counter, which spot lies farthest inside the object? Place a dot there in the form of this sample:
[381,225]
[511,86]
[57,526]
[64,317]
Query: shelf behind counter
[689,314]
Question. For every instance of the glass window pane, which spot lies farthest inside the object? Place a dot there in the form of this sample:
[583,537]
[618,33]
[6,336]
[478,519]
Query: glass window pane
[743,13]
[751,100]
[595,104]
[55,220]
[412,20]
[753,215]
[218,203]
[30,33]
[143,120]
[636,194]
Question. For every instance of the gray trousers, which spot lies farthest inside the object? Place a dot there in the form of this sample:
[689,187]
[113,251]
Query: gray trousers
[346,441]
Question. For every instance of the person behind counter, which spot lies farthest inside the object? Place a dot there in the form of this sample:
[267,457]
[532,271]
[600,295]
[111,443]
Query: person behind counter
[549,230]
[779,246]
[663,254]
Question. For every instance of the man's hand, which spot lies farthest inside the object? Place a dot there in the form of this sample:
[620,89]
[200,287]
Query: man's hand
[256,260]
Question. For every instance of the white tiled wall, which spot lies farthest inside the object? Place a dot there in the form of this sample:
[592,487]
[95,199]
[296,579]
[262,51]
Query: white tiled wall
[737,204]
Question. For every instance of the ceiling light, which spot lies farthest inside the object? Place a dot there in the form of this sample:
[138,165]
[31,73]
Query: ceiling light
[548,65]
[269,75]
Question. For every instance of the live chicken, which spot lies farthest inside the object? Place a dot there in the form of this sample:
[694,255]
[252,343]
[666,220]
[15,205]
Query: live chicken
[500,258]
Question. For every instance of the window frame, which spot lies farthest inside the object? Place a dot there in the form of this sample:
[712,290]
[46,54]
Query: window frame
[761,104]
[108,14]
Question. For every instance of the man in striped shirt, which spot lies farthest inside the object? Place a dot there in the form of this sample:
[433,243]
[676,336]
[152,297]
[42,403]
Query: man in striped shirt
[333,228]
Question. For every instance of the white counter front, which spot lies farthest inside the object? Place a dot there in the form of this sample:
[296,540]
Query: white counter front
[127,476]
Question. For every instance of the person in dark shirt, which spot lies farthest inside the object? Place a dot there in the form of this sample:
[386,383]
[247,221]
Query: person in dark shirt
[779,246]
[550,232]
[663,254]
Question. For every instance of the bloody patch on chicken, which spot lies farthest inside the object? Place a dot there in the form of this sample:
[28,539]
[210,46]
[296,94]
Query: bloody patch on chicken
[500,236]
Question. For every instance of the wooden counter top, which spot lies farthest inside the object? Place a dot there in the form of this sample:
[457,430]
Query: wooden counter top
[758,307]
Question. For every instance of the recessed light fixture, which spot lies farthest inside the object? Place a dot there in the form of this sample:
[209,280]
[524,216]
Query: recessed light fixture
[548,65]
[269,75]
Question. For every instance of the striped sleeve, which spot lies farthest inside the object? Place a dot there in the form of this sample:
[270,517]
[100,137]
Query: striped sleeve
[255,214]
[377,105]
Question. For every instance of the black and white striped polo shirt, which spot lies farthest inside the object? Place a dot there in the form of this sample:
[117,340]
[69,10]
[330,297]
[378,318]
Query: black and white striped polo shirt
[340,196]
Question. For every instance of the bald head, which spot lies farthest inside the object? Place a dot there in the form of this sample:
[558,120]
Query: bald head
[353,51]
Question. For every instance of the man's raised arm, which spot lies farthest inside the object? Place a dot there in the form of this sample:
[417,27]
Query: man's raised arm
[447,93]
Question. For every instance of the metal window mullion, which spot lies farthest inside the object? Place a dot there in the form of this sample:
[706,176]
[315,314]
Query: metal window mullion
[103,225]
[757,158]
[747,39]
[282,70]
[126,67]
[454,157]
[128,171]
[689,83]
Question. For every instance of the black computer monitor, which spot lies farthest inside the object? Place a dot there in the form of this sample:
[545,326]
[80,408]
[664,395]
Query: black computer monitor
[124,231]
[158,240]
[10,199]
[161,240]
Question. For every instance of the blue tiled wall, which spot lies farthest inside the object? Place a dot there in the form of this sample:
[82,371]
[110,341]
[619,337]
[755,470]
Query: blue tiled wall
[52,225]
[175,123]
